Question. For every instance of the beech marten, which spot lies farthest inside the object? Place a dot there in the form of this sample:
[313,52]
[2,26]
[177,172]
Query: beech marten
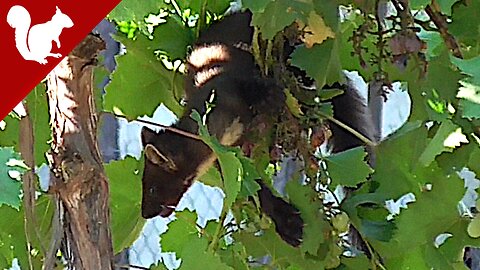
[220,64]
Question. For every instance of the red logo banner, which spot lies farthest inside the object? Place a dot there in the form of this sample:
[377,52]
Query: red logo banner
[36,36]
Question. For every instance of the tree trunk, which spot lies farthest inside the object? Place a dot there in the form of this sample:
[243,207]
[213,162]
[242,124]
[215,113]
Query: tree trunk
[79,181]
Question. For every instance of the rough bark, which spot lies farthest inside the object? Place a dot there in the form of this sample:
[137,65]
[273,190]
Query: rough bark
[79,182]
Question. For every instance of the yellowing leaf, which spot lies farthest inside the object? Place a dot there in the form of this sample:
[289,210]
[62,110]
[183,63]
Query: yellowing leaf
[292,104]
[316,30]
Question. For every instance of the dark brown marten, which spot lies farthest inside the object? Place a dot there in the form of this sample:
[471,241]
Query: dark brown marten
[220,64]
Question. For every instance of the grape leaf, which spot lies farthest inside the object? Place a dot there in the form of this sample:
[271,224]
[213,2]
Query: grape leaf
[37,106]
[232,172]
[439,203]
[148,88]
[440,67]
[470,67]
[10,134]
[282,255]
[230,165]
[125,201]
[437,144]
[446,6]
[419,4]
[321,62]
[398,171]
[13,237]
[465,25]
[196,251]
[10,188]
[235,255]
[179,231]
[348,168]
[311,211]
[131,10]
[257,6]
[173,38]
[279,14]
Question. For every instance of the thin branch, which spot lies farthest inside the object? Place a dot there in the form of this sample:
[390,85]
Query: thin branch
[169,128]
[218,233]
[57,235]
[440,22]
[128,266]
[357,134]
[26,143]
[425,25]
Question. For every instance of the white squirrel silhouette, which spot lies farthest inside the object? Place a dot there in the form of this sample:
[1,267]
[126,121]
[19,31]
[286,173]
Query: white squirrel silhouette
[39,37]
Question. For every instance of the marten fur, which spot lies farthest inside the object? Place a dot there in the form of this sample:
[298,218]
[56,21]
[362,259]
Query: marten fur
[219,64]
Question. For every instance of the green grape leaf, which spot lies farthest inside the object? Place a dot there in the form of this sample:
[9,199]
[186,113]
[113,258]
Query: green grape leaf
[232,172]
[470,67]
[230,165]
[250,174]
[399,171]
[329,12]
[348,168]
[212,177]
[418,234]
[235,256]
[131,10]
[311,211]
[434,43]
[446,6]
[10,188]
[279,14]
[456,160]
[37,107]
[173,38]
[13,237]
[419,4]
[440,67]
[367,213]
[195,251]
[321,62]
[183,238]
[473,163]
[469,95]
[218,6]
[282,254]
[154,85]
[180,231]
[360,262]
[465,25]
[10,133]
[125,184]
[446,139]
[256,6]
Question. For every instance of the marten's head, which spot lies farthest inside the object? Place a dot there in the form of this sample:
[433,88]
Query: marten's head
[171,165]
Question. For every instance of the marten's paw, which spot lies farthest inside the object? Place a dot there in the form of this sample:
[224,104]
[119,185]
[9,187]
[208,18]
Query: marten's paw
[288,223]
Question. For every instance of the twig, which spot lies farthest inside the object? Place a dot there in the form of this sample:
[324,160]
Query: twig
[357,134]
[425,25]
[440,22]
[169,128]
[218,232]
[177,10]
[57,235]
[128,266]
[26,143]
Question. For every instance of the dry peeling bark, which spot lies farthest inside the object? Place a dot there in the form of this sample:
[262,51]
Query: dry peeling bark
[79,182]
